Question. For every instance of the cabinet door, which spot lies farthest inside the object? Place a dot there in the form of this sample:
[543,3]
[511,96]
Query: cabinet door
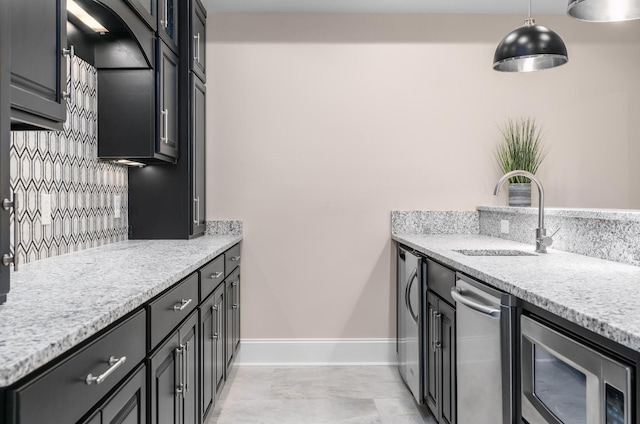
[168,101]
[38,64]
[165,382]
[127,405]
[432,355]
[211,336]
[168,22]
[228,348]
[190,370]
[220,360]
[198,39]
[236,310]
[198,126]
[448,353]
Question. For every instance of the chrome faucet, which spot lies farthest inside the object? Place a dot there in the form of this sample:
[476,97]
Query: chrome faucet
[542,240]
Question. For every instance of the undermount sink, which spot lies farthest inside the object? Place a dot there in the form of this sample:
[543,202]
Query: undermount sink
[494,252]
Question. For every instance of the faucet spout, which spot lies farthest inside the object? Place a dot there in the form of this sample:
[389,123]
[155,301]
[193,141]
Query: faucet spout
[542,241]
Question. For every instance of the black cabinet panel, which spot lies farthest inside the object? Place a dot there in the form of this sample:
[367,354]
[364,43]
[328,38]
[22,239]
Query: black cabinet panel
[168,122]
[448,346]
[174,378]
[440,351]
[164,379]
[148,10]
[38,65]
[128,405]
[198,140]
[232,258]
[127,113]
[198,39]
[167,311]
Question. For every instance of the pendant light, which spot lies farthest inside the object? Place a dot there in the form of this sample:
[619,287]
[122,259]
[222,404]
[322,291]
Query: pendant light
[530,48]
[604,10]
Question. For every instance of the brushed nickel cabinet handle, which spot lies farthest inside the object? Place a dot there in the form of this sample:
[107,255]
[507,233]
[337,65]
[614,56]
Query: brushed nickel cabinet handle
[183,304]
[113,365]
[216,275]
[197,47]
[235,258]
[70,53]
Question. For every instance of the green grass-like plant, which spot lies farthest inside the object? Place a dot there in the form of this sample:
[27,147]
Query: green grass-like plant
[521,148]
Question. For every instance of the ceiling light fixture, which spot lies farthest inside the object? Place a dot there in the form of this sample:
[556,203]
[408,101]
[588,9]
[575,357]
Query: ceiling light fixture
[604,10]
[85,17]
[530,48]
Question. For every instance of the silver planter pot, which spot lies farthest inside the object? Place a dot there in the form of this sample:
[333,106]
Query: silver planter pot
[520,194]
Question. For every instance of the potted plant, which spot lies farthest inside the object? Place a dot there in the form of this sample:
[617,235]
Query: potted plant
[521,148]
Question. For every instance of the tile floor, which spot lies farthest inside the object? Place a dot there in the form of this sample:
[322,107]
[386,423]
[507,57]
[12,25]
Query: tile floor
[317,395]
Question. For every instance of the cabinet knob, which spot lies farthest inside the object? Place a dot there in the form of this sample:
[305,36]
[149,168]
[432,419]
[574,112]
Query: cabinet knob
[235,306]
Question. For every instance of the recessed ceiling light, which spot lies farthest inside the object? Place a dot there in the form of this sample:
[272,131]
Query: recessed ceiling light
[85,17]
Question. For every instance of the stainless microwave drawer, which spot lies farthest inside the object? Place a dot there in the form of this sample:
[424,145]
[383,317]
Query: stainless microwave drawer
[70,389]
[232,259]
[166,312]
[211,275]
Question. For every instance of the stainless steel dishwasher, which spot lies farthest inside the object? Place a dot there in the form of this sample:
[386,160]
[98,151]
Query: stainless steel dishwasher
[409,285]
[486,322]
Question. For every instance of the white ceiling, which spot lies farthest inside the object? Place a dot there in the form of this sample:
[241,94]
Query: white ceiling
[388,6]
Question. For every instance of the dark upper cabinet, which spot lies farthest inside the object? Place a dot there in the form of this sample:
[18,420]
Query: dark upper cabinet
[5,142]
[38,60]
[139,112]
[168,15]
[198,39]
[148,10]
[197,141]
[168,101]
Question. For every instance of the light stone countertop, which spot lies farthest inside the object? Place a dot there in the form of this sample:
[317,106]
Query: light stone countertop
[56,303]
[599,295]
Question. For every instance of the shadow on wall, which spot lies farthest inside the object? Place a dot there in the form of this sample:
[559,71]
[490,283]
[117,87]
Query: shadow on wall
[404,28]
[372,291]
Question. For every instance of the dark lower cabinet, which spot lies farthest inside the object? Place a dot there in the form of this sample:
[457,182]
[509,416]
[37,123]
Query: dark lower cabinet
[128,405]
[212,336]
[169,369]
[440,344]
[174,376]
[38,61]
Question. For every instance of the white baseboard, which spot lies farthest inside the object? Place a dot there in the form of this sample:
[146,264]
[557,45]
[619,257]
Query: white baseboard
[300,352]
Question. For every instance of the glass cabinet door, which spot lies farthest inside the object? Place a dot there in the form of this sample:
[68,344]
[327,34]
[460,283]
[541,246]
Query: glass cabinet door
[168,22]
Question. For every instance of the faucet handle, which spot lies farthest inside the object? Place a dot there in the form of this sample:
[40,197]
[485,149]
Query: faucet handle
[544,239]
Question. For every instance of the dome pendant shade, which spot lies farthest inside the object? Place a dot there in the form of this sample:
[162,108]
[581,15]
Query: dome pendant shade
[530,48]
[604,10]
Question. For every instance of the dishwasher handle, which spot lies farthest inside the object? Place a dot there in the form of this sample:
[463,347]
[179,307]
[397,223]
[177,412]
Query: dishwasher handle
[458,295]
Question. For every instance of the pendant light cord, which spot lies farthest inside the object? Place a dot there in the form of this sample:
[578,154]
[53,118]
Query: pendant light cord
[529,22]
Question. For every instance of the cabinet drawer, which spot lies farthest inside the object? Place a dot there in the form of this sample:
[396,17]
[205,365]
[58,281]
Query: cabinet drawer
[166,312]
[62,395]
[232,259]
[211,275]
[440,280]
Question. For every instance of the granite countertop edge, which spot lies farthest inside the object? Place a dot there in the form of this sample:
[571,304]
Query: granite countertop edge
[34,347]
[584,213]
[611,315]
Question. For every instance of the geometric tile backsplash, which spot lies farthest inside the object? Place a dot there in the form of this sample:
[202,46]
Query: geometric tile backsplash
[64,164]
